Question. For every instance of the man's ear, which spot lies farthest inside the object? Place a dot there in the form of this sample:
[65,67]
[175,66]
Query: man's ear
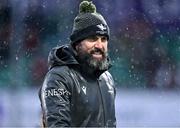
[77,47]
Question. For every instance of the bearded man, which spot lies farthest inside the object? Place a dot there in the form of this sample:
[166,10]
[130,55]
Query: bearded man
[78,90]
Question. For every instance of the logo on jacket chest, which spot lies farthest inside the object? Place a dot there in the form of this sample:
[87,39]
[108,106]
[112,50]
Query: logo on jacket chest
[84,89]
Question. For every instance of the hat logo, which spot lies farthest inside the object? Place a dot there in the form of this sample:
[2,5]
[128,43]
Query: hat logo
[102,27]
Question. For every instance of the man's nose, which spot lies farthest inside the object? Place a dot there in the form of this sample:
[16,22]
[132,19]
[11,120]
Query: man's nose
[98,44]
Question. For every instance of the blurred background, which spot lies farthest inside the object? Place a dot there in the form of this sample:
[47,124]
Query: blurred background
[144,49]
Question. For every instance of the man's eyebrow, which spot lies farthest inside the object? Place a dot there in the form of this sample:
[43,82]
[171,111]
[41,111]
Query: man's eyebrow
[93,36]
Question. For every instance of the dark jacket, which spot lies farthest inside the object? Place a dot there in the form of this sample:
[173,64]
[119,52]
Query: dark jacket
[71,97]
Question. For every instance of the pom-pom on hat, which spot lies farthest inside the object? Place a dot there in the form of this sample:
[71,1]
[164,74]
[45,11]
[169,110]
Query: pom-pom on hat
[88,23]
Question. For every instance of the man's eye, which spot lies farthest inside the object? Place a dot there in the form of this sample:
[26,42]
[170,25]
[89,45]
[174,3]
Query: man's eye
[104,39]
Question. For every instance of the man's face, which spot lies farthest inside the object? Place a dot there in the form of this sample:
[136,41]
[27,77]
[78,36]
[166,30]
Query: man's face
[93,51]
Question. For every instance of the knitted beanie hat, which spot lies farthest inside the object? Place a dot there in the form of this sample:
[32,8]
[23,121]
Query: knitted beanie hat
[88,23]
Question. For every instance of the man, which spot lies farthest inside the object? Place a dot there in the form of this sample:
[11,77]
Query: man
[78,91]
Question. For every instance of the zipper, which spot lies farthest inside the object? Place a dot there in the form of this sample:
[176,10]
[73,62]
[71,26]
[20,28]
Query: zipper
[102,102]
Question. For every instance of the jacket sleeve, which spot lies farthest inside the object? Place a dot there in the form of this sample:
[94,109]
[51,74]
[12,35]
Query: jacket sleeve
[55,96]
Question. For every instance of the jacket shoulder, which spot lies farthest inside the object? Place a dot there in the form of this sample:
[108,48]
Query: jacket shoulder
[108,77]
[59,71]
[107,74]
[59,75]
